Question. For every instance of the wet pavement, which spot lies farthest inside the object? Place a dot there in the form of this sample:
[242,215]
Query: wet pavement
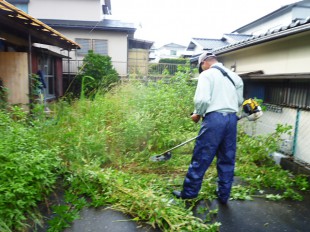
[258,215]
[262,215]
[106,220]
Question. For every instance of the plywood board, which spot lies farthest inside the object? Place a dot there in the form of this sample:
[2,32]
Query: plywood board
[14,75]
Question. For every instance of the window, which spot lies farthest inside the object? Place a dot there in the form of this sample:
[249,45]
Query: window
[47,65]
[85,46]
[292,93]
[20,4]
[99,46]
[173,52]
[23,7]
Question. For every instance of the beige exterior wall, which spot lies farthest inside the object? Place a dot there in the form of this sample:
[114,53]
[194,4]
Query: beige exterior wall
[284,56]
[14,74]
[117,46]
[138,60]
[90,10]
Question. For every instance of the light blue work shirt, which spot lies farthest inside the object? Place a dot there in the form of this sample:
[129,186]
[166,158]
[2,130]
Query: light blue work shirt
[215,92]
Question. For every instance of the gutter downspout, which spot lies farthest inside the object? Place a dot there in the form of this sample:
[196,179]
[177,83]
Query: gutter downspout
[127,63]
[30,70]
[68,64]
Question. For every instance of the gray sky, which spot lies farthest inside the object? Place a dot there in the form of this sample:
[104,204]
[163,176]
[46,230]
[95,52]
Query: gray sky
[177,21]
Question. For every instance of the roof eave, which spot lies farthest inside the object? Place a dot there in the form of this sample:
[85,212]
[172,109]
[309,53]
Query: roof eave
[262,39]
[24,23]
[117,29]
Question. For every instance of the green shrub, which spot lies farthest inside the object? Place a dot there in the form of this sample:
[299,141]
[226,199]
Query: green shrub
[173,61]
[97,73]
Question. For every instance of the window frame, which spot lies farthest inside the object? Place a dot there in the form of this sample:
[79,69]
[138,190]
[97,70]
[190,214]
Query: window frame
[92,44]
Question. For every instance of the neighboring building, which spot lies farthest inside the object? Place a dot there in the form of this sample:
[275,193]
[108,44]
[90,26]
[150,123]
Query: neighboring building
[171,50]
[275,20]
[106,37]
[198,45]
[90,24]
[19,58]
[275,68]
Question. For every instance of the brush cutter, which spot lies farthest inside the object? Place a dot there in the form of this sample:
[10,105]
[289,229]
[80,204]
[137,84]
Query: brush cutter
[251,110]
[167,154]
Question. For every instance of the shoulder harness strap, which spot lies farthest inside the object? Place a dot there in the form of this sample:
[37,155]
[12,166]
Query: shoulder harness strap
[224,73]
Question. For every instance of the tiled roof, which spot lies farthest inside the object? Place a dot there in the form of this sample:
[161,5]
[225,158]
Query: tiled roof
[104,25]
[291,29]
[173,45]
[209,44]
[213,44]
[237,37]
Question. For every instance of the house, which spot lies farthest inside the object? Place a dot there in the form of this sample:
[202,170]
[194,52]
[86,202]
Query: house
[197,45]
[171,50]
[106,37]
[20,58]
[90,24]
[275,67]
[275,20]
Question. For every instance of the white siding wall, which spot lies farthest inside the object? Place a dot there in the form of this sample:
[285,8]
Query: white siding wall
[165,52]
[117,46]
[89,10]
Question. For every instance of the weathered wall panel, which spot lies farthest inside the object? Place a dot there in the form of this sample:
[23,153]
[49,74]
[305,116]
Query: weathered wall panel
[14,74]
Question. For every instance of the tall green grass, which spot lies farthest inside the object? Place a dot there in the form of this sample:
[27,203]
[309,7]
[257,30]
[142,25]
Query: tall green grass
[29,169]
[130,119]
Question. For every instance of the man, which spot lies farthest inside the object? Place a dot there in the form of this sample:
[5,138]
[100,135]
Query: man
[217,99]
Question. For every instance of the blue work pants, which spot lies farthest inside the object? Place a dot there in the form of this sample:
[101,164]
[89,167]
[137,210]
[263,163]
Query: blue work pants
[218,138]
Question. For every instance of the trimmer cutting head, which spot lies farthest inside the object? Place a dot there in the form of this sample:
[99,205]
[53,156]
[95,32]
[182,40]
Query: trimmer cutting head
[163,157]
